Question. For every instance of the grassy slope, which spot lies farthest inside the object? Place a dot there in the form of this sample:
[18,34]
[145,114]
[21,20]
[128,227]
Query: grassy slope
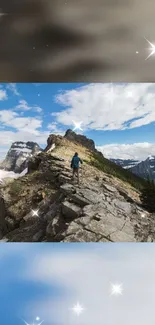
[111,168]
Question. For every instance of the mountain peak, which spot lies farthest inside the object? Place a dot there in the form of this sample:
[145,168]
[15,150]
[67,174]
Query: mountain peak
[72,137]
[81,139]
[18,155]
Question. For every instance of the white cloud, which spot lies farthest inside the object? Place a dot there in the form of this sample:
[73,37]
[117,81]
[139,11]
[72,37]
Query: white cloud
[91,105]
[3,94]
[37,109]
[137,151]
[28,124]
[53,127]
[23,105]
[6,116]
[13,88]
[85,275]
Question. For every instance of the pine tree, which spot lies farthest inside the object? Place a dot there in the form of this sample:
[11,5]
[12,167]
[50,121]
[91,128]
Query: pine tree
[148,196]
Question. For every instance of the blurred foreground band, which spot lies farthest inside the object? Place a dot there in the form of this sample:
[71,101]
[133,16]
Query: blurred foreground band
[76,41]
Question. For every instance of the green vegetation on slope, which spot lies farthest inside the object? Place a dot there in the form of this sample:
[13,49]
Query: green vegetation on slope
[15,188]
[148,196]
[111,168]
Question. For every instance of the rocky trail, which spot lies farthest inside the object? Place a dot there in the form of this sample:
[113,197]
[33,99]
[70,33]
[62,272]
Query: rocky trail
[46,205]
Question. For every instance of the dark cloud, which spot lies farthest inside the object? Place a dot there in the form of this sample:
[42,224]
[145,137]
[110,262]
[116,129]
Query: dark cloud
[81,41]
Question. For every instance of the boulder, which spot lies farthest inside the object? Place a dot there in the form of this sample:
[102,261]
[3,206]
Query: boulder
[126,207]
[55,227]
[78,199]
[67,188]
[70,210]
[109,188]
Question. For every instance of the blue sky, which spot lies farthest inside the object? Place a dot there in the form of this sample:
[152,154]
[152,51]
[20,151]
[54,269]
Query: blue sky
[120,118]
[47,281]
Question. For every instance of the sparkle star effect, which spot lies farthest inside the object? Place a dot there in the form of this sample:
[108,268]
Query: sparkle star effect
[129,94]
[77,309]
[77,126]
[37,318]
[35,213]
[2,14]
[116,289]
[152,48]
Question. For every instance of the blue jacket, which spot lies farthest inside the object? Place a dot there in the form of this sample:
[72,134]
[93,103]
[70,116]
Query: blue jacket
[75,162]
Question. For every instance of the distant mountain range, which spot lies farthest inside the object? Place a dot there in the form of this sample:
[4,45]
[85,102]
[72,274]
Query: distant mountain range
[140,168]
[18,155]
[129,163]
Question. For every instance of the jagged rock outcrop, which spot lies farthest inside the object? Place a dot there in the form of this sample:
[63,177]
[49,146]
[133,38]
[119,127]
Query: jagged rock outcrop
[52,141]
[18,155]
[81,139]
[46,205]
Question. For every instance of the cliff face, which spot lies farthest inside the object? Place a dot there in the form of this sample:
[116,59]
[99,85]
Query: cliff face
[47,205]
[18,155]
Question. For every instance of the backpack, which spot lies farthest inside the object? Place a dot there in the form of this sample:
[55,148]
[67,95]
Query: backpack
[75,162]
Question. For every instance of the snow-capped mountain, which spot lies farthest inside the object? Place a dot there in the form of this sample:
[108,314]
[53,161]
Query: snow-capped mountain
[145,168]
[140,168]
[18,156]
[126,163]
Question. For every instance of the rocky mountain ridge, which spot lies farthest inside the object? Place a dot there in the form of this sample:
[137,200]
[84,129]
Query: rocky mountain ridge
[46,205]
[18,155]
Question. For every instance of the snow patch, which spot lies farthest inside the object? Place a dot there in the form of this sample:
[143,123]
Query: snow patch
[21,145]
[22,158]
[150,157]
[52,147]
[24,172]
[4,174]
[21,149]
[129,166]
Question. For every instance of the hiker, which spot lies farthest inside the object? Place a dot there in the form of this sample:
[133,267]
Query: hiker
[75,165]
